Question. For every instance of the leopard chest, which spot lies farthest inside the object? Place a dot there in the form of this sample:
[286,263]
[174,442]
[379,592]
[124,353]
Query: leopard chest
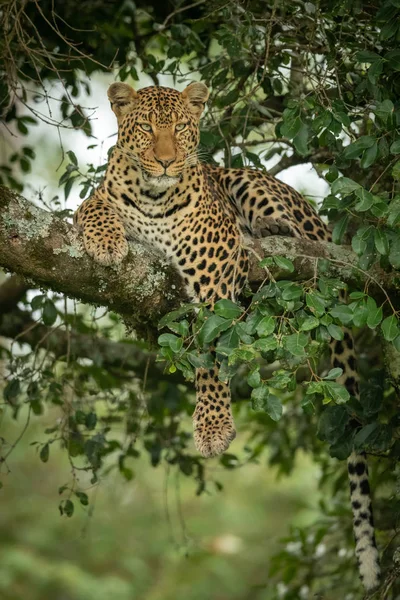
[167,228]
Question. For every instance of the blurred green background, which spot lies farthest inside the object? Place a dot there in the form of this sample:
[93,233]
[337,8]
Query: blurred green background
[151,538]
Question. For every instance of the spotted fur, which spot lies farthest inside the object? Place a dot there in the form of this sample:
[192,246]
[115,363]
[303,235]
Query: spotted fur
[155,190]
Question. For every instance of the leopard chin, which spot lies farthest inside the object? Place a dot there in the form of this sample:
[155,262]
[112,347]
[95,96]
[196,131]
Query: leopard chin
[161,183]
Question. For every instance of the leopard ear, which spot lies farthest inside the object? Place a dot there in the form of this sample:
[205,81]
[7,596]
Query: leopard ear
[122,98]
[195,96]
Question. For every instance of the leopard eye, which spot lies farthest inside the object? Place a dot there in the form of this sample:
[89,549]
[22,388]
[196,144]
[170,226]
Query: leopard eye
[145,126]
[180,126]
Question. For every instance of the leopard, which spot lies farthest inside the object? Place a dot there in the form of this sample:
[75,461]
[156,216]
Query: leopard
[156,191]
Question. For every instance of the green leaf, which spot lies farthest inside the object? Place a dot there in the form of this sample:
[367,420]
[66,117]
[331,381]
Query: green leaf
[175,314]
[375,71]
[309,323]
[359,242]
[384,110]
[72,157]
[49,314]
[266,344]
[83,498]
[335,331]
[375,313]
[396,343]
[44,453]
[11,390]
[381,242]
[393,58]
[37,301]
[172,341]
[259,397]
[296,343]
[343,313]
[266,326]
[228,341]
[396,170]
[371,398]
[300,140]
[375,436]
[360,315]
[369,156]
[67,508]
[366,200]
[340,229]
[291,126]
[201,361]
[292,292]
[315,304]
[212,328]
[395,147]
[91,421]
[390,328]
[254,378]
[394,211]
[334,373]
[273,407]
[344,186]
[332,423]
[394,254]
[366,56]
[227,308]
[284,263]
[337,392]
[355,149]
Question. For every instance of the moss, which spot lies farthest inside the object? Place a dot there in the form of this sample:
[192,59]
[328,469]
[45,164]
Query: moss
[73,251]
[27,220]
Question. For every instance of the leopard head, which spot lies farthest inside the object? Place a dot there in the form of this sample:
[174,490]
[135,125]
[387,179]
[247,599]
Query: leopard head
[158,128]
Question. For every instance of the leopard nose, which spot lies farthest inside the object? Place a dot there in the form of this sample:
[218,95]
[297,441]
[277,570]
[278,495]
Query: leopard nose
[165,162]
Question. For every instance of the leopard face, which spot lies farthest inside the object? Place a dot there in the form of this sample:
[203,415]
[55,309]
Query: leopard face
[158,128]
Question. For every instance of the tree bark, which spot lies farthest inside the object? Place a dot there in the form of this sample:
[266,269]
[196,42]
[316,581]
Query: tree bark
[48,252]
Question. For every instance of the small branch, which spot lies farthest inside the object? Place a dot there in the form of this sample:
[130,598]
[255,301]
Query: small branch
[340,262]
[124,356]
[286,162]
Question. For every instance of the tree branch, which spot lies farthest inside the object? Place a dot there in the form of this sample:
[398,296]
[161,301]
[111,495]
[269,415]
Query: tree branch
[48,251]
[112,355]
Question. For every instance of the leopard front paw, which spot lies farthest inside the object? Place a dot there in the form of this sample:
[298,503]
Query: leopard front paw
[107,251]
[213,431]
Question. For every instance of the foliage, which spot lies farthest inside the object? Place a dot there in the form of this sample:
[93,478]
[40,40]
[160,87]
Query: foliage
[291,83]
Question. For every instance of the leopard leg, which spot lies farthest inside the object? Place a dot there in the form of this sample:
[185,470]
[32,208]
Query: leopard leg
[103,231]
[213,424]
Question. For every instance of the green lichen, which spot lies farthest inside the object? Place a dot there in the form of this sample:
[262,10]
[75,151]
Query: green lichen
[27,220]
[73,251]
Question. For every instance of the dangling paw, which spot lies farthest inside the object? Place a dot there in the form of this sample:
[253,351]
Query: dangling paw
[213,427]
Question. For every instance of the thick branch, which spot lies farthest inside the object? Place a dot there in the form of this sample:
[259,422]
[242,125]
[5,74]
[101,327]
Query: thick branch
[39,246]
[43,248]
